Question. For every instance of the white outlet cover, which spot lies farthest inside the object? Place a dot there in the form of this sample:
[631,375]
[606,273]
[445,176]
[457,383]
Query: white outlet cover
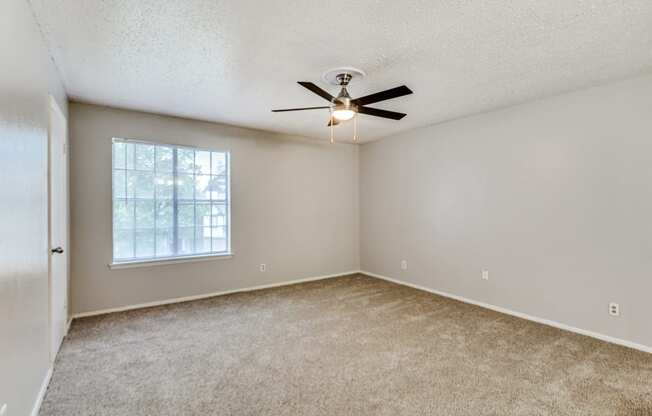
[614,309]
[485,275]
[404,265]
[263,267]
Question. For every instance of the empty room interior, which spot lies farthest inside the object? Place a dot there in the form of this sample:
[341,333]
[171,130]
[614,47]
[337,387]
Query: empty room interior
[419,207]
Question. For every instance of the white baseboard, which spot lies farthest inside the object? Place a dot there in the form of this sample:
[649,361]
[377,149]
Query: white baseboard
[208,295]
[41,393]
[500,309]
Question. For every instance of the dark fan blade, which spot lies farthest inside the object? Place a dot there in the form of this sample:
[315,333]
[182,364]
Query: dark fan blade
[383,95]
[299,109]
[312,87]
[333,121]
[381,113]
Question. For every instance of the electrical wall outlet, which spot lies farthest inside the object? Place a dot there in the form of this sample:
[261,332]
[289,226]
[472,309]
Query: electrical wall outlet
[485,275]
[3,410]
[614,309]
[263,267]
[403,264]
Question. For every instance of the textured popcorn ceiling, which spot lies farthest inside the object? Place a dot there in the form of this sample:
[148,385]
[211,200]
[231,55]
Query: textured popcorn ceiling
[232,61]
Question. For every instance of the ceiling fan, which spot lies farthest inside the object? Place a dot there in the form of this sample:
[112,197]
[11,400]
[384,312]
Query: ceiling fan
[342,107]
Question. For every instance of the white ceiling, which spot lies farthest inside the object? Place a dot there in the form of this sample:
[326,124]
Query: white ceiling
[232,61]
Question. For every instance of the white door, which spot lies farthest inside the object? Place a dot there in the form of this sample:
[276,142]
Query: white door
[58,191]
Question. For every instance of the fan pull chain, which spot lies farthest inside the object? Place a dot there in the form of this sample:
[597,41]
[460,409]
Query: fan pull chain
[332,126]
[355,128]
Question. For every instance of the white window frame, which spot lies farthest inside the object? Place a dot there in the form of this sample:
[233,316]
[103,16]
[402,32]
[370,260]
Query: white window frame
[176,258]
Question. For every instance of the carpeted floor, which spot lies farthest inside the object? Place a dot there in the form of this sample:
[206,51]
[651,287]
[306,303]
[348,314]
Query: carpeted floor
[352,345]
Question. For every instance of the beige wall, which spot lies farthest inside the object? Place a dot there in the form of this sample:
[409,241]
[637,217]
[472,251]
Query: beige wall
[294,208]
[27,76]
[553,197]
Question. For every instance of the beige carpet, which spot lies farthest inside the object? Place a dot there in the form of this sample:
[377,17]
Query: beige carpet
[353,345]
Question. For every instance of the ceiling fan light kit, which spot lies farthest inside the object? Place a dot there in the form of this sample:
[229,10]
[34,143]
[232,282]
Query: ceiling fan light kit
[343,114]
[342,107]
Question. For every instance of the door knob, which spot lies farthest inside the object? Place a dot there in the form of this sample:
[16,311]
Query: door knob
[57,250]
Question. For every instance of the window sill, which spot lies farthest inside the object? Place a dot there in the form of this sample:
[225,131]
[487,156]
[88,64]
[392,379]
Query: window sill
[163,262]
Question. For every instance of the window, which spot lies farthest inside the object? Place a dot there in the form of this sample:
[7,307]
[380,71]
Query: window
[169,201]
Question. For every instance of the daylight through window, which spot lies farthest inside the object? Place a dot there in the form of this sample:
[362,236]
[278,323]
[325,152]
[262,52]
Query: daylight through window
[169,201]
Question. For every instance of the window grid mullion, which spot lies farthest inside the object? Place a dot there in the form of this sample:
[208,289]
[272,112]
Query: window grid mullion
[210,197]
[134,202]
[133,242]
[227,202]
[155,211]
[194,202]
[175,208]
[212,202]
